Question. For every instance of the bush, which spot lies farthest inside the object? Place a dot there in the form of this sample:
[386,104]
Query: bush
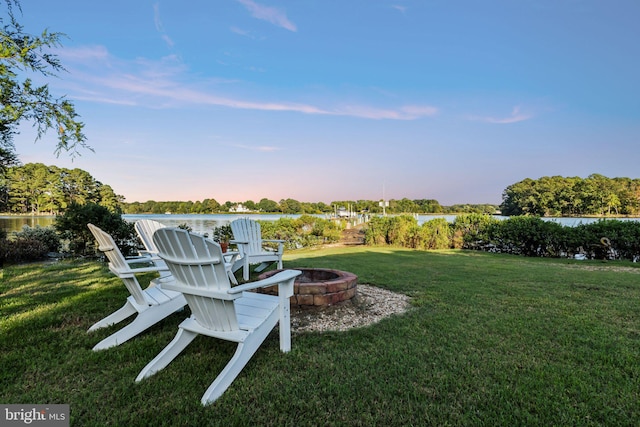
[435,234]
[307,230]
[22,250]
[47,235]
[376,231]
[73,227]
[471,231]
[526,235]
[531,236]
[401,230]
[29,244]
[519,235]
[607,239]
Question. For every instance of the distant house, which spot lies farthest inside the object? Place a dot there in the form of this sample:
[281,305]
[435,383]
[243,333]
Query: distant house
[239,208]
[343,213]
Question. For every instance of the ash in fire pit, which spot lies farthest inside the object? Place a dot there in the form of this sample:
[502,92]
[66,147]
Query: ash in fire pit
[318,286]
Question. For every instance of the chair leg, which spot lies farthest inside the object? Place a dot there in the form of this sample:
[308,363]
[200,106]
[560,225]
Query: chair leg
[182,339]
[241,357]
[262,267]
[245,270]
[116,317]
[232,277]
[142,322]
[237,264]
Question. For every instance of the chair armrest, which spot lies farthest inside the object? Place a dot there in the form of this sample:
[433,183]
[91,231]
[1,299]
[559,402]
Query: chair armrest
[283,276]
[230,256]
[203,292]
[137,258]
[133,271]
[152,255]
[280,243]
[239,242]
[194,261]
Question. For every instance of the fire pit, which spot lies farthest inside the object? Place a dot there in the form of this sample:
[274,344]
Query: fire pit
[318,286]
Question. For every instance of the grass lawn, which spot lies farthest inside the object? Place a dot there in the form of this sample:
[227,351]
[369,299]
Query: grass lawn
[490,340]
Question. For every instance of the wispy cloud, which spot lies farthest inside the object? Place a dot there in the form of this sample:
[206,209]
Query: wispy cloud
[516,116]
[401,8]
[411,112]
[99,77]
[260,148]
[269,14]
[159,27]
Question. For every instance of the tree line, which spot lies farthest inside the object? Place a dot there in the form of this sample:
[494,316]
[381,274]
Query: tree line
[292,206]
[595,195]
[35,188]
[38,189]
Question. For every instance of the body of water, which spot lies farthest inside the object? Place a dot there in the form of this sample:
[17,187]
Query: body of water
[12,223]
[205,223]
[199,223]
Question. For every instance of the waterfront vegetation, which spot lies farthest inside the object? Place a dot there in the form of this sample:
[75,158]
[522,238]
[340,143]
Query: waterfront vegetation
[518,235]
[490,339]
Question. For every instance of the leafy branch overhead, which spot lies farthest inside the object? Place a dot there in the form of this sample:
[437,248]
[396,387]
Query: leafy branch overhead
[22,54]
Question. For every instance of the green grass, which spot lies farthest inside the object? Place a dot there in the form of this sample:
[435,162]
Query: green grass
[490,340]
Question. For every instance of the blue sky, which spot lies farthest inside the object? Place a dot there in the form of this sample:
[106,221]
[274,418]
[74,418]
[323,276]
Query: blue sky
[323,100]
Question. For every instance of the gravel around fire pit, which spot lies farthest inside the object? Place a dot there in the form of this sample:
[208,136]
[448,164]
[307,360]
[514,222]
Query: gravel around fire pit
[370,305]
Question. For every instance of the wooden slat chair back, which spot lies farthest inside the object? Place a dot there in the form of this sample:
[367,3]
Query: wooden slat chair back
[197,262]
[118,264]
[248,237]
[152,304]
[145,229]
[218,309]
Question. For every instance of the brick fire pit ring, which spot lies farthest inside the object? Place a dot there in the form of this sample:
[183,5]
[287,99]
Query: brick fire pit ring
[318,286]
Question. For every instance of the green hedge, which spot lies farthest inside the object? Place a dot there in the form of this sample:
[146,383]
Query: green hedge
[519,235]
[307,230]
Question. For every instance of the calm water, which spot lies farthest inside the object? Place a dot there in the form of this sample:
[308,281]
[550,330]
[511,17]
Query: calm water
[13,223]
[205,223]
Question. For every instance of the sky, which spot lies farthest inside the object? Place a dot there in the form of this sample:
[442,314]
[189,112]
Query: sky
[329,100]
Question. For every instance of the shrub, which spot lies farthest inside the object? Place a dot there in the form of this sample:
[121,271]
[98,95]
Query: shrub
[376,231]
[530,236]
[73,227]
[519,235]
[435,234]
[471,231]
[402,230]
[47,235]
[608,239]
[22,250]
[307,230]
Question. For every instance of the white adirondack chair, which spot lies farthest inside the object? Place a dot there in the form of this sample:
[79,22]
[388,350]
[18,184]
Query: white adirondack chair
[152,304]
[145,229]
[247,236]
[219,311]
